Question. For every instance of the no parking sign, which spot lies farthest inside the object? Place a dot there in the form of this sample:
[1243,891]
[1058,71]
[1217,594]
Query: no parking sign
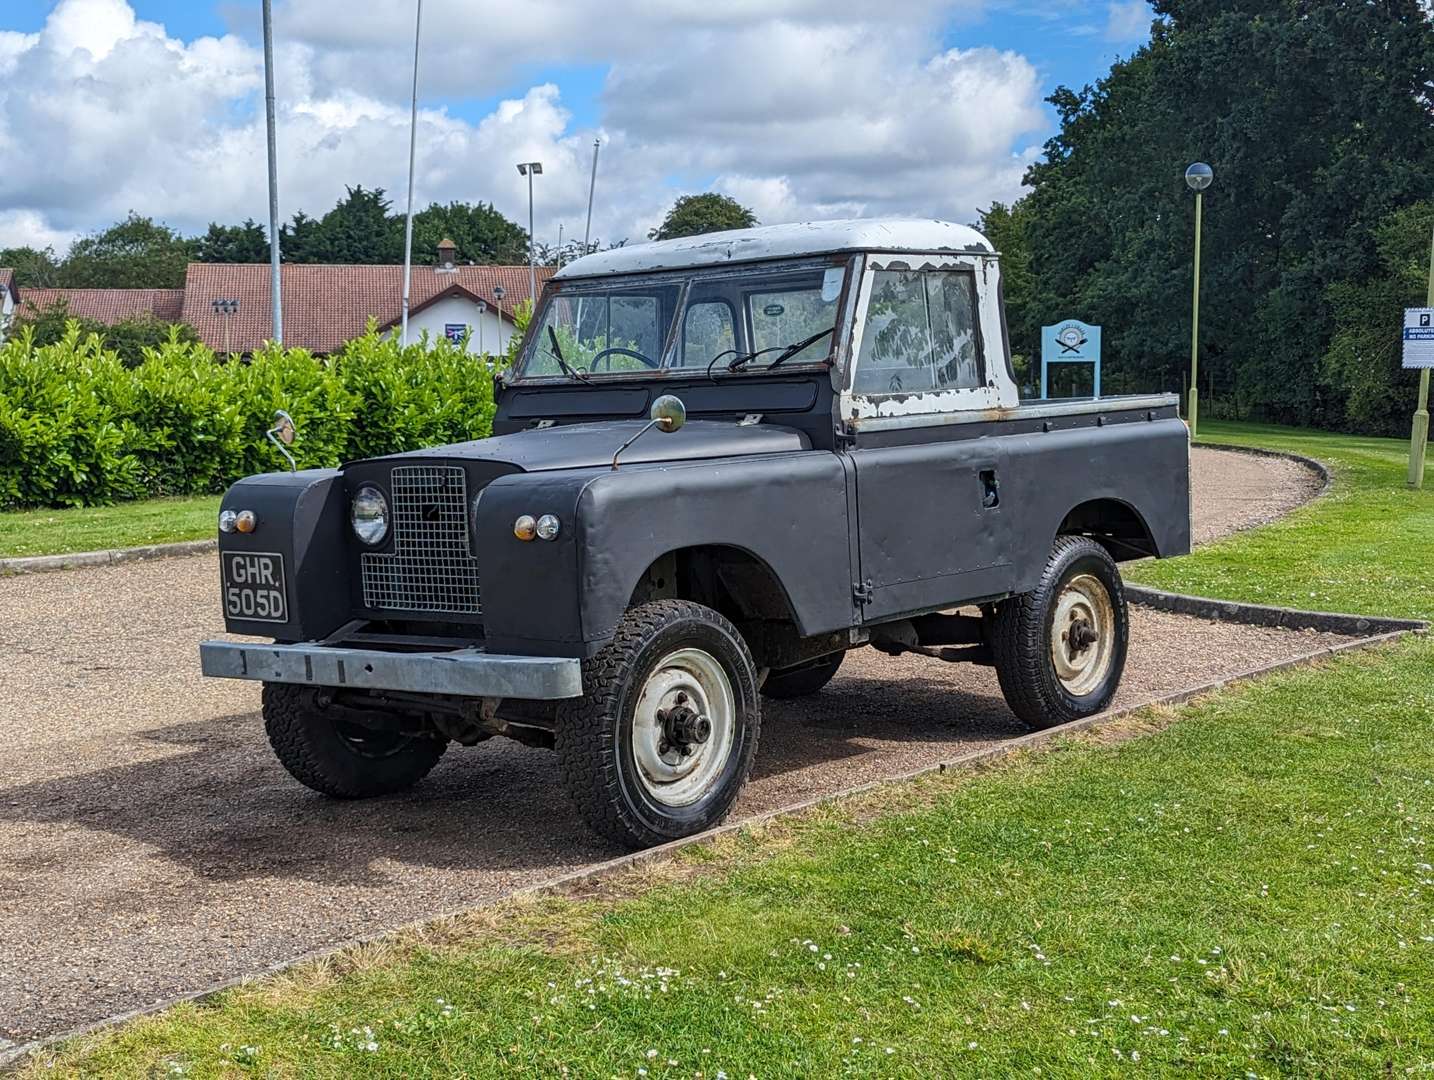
[1419,337]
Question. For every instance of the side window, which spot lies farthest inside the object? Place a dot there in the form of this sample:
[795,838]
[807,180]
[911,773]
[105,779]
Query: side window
[920,334]
[707,331]
[951,304]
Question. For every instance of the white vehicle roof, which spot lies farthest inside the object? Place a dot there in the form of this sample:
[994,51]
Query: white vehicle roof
[916,235]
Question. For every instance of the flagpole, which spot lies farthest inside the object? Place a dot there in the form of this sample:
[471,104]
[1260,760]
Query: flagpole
[276,299]
[412,153]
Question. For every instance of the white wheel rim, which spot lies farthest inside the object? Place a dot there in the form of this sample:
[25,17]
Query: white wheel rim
[683,774]
[1083,635]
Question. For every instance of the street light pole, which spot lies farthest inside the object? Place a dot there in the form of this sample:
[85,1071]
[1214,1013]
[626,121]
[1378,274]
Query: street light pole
[275,280]
[592,186]
[1419,437]
[412,152]
[531,169]
[1198,177]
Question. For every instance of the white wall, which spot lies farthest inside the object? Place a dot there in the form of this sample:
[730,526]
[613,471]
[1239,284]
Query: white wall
[7,310]
[459,309]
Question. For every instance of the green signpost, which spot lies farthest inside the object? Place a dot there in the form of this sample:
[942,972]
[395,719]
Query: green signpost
[1413,340]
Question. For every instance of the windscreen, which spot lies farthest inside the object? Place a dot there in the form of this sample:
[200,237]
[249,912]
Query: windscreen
[620,329]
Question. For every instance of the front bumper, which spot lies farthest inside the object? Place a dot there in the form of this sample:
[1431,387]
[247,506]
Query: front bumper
[463,672]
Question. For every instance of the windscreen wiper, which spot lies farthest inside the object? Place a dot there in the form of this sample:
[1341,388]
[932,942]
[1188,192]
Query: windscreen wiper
[557,351]
[786,351]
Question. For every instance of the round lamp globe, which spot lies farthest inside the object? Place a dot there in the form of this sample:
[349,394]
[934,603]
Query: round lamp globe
[1199,176]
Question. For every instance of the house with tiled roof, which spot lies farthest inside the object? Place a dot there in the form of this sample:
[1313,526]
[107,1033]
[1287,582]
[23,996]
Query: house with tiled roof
[106,306]
[229,304]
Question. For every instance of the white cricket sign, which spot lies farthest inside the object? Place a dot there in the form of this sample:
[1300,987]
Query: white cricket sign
[1419,337]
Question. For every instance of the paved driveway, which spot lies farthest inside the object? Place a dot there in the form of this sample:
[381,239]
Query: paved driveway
[150,845]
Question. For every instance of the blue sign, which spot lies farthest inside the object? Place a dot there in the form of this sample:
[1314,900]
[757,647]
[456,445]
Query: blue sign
[454,331]
[1070,342]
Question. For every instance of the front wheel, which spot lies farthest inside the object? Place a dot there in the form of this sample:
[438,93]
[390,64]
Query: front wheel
[1060,648]
[660,745]
[339,758]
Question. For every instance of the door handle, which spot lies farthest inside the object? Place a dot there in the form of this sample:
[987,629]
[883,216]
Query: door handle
[990,490]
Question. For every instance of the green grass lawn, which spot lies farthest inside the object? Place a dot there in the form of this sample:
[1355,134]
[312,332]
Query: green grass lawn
[1362,548]
[151,521]
[1247,891]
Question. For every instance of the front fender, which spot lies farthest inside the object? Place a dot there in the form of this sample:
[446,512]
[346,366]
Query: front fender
[565,597]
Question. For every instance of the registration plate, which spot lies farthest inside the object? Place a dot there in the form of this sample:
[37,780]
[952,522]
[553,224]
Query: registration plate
[254,586]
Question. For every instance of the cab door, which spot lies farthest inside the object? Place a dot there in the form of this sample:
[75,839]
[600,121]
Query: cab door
[933,524]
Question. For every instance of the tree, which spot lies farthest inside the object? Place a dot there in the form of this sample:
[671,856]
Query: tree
[244,243]
[35,267]
[357,230]
[692,215]
[136,253]
[1315,116]
[1006,228]
[481,234]
[1363,366]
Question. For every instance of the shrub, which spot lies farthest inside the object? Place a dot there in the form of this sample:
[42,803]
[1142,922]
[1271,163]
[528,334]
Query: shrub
[78,427]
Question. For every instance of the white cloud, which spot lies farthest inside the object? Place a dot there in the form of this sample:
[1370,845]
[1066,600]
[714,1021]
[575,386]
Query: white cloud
[1128,20]
[799,108]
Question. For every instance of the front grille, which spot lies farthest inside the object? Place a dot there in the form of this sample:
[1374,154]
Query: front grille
[430,568]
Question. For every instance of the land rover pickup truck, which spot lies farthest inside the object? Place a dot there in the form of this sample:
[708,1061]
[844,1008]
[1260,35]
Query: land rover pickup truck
[717,465]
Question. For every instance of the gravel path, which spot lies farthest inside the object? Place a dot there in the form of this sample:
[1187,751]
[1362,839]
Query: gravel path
[150,845]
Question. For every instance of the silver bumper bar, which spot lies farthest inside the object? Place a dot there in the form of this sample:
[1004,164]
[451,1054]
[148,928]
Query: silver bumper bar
[466,672]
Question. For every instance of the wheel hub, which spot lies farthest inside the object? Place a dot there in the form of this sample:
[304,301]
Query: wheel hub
[1082,635]
[682,727]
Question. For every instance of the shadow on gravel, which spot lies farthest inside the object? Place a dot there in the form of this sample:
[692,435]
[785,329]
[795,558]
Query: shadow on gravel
[222,807]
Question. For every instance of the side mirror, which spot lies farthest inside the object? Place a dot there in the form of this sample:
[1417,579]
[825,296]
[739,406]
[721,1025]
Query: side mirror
[282,436]
[284,427]
[668,413]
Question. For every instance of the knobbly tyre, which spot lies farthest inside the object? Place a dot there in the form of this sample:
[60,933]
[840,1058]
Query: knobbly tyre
[719,464]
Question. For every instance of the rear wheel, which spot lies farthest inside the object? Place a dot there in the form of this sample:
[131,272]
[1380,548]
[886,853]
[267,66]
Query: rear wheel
[1060,648]
[660,745]
[803,679]
[340,758]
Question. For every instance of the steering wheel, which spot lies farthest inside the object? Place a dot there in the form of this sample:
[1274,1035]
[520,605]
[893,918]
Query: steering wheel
[607,354]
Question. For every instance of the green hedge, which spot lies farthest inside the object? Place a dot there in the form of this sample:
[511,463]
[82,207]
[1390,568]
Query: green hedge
[79,428]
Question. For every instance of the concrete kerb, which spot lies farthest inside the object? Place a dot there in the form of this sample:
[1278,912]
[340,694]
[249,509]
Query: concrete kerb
[41,564]
[14,1055]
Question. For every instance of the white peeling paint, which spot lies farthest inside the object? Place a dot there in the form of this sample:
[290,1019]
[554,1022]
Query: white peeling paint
[915,235]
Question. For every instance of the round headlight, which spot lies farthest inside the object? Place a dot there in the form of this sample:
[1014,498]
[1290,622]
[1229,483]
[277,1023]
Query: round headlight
[369,515]
[227,518]
[548,526]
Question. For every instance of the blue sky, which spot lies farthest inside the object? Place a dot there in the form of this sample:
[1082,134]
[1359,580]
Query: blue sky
[800,108]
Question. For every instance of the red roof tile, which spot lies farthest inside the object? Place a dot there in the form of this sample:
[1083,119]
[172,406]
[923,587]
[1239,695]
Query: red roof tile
[106,305]
[327,305]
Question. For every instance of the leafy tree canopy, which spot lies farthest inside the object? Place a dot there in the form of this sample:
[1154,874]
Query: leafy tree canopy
[135,253]
[246,243]
[693,215]
[35,267]
[1315,116]
[481,234]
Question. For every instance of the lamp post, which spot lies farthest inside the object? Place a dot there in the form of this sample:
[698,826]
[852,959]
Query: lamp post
[412,153]
[1199,176]
[1419,436]
[498,293]
[227,308]
[276,279]
[482,310]
[531,169]
[592,186]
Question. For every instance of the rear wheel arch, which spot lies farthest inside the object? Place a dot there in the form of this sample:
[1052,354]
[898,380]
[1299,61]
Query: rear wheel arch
[1114,524]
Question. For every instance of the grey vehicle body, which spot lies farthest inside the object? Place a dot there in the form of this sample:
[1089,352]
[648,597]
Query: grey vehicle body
[819,505]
